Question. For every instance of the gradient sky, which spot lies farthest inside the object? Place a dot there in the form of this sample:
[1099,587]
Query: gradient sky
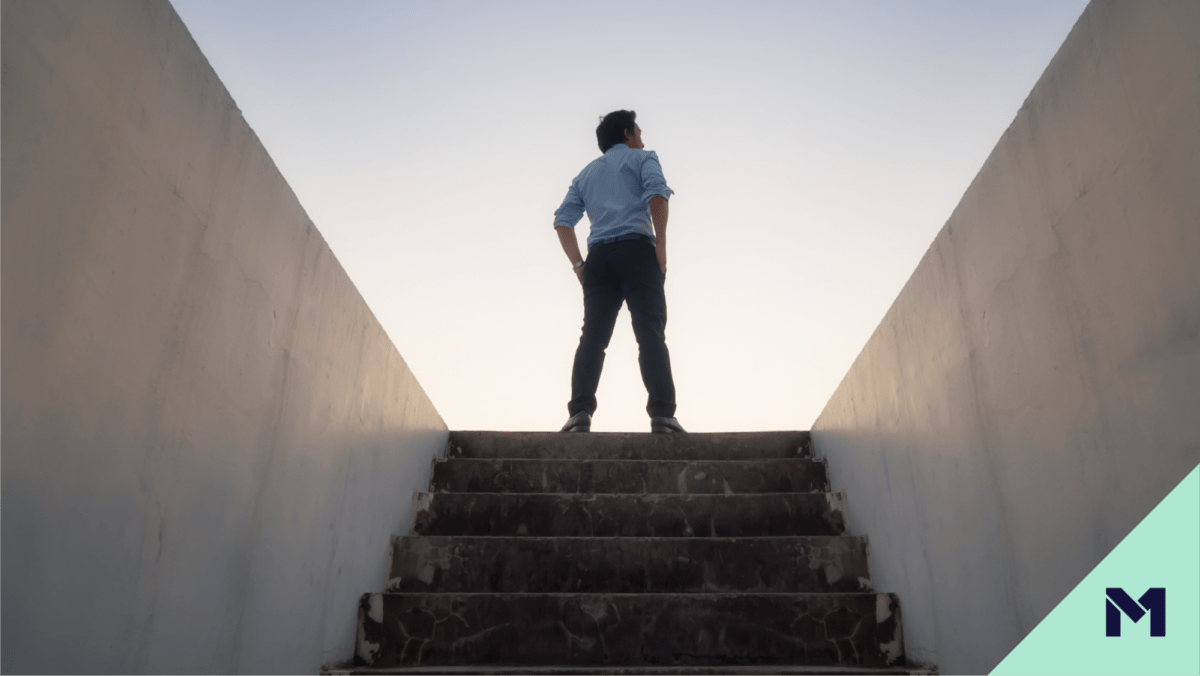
[815,150]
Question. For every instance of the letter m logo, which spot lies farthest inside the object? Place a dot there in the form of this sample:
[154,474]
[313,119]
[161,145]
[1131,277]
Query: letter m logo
[1154,601]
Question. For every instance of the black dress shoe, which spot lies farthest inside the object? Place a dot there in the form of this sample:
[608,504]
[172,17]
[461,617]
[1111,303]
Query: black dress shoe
[666,426]
[580,422]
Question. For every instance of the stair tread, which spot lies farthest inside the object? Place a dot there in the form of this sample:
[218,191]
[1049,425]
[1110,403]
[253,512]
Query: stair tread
[629,445]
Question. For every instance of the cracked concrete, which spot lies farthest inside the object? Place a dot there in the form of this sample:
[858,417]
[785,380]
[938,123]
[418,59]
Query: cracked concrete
[631,515]
[528,564]
[638,629]
[629,446]
[687,562]
[629,477]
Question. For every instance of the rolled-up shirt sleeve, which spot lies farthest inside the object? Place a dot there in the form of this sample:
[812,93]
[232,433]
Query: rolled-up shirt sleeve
[653,182]
[571,209]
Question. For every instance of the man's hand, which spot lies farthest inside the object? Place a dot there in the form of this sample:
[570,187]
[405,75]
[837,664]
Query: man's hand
[566,237]
[658,216]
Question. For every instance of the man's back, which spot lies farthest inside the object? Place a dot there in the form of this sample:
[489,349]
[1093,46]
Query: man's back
[615,189]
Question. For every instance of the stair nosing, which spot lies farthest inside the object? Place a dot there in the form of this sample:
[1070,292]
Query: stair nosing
[643,460]
[489,668]
[686,495]
[767,669]
[637,537]
[634,594]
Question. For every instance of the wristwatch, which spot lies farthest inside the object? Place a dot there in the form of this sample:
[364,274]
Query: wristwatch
[577,265]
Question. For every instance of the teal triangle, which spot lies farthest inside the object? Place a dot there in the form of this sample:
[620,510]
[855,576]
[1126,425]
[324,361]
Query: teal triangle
[1162,551]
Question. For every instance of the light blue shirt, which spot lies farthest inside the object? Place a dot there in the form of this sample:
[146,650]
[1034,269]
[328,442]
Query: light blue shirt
[615,190]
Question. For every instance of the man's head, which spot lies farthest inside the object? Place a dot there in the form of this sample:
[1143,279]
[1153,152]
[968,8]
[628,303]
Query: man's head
[619,127]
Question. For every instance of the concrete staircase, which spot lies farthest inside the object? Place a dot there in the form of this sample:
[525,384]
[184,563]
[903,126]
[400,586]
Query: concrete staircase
[629,554]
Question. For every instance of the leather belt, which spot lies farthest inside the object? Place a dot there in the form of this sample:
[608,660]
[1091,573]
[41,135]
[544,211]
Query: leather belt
[619,238]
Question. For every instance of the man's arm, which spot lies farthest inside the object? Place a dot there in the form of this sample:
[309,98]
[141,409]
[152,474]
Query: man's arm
[658,215]
[566,237]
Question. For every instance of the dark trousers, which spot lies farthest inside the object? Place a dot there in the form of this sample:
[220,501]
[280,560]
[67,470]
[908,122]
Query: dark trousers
[625,271]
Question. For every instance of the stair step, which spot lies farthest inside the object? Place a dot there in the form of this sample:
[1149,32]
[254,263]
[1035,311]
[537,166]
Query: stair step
[611,630]
[482,475]
[621,553]
[629,565]
[534,514]
[629,446]
[636,671]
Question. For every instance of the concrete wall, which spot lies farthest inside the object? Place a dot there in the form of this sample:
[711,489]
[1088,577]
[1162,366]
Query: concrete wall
[1032,393]
[207,437]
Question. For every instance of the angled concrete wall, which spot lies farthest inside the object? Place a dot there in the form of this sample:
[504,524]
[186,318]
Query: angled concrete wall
[1032,393]
[207,437]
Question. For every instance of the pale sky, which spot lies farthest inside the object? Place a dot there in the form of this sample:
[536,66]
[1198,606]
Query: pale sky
[815,150]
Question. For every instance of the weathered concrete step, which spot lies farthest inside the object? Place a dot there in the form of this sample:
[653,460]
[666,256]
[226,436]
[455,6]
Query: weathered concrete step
[629,446]
[795,475]
[611,630]
[635,671]
[548,514]
[627,565]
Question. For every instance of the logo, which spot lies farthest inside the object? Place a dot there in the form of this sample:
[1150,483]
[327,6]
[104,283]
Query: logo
[1154,601]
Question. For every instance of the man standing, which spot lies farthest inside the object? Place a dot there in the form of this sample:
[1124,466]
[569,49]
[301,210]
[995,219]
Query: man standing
[625,196]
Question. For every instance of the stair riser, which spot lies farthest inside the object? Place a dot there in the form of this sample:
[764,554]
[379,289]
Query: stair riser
[629,476]
[638,629]
[629,515]
[629,565]
[630,671]
[629,446]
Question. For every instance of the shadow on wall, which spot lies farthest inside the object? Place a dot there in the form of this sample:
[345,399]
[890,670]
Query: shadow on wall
[208,438]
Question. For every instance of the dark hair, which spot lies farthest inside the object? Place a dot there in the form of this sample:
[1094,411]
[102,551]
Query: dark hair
[613,127]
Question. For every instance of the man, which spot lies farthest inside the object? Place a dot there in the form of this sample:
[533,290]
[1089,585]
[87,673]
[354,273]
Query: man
[625,197]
